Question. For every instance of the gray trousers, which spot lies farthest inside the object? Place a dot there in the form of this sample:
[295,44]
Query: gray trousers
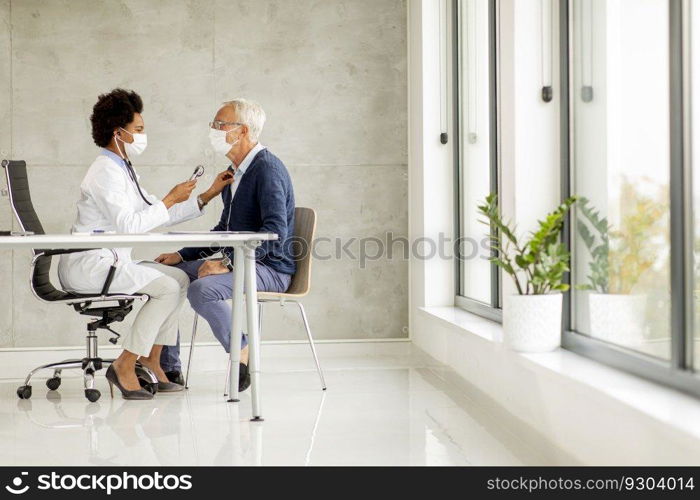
[157,321]
[209,298]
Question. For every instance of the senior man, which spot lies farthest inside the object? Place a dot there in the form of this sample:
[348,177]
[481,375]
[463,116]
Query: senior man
[260,199]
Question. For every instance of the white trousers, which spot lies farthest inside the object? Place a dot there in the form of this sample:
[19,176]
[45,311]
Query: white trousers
[157,321]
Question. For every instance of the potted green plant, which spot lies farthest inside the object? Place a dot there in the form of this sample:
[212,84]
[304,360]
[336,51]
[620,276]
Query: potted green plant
[618,260]
[532,317]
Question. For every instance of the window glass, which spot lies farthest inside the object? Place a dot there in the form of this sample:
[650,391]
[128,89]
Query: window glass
[621,162]
[474,146]
[695,149]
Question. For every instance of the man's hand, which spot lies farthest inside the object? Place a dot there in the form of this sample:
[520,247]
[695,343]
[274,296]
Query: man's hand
[211,267]
[169,259]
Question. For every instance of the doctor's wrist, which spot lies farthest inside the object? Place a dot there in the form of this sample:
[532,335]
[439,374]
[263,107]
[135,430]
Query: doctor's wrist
[168,201]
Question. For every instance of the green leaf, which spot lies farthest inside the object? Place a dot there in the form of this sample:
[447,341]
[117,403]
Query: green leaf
[543,259]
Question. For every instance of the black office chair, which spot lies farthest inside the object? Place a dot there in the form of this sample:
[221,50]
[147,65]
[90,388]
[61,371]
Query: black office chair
[43,289]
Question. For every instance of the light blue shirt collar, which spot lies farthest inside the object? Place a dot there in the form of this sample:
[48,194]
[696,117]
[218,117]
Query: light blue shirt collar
[238,173]
[113,156]
[248,159]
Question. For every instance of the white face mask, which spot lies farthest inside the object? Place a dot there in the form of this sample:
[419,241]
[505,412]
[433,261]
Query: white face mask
[217,138]
[137,147]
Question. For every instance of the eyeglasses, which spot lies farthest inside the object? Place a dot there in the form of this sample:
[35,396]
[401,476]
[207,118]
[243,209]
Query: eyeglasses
[218,124]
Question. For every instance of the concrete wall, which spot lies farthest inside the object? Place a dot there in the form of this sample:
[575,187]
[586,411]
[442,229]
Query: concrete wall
[330,74]
[5,144]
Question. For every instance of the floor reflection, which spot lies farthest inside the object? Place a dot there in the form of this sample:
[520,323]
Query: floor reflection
[377,411]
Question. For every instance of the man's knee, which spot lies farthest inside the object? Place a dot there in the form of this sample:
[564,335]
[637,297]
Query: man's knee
[202,291]
[197,293]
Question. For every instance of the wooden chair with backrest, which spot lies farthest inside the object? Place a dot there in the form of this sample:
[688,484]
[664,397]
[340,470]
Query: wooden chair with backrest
[302,249]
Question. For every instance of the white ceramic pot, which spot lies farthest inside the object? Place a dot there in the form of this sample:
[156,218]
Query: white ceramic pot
[618,318]
[532,323]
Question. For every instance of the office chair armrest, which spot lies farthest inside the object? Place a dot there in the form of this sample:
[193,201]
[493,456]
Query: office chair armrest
[110,273]
[61,251]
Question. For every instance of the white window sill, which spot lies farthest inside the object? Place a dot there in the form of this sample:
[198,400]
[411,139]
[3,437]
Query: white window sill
[663,404]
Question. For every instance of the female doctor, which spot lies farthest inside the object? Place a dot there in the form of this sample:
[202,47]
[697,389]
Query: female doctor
[112,200]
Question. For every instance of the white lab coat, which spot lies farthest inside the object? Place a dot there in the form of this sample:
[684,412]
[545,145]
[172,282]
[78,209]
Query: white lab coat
[110,202]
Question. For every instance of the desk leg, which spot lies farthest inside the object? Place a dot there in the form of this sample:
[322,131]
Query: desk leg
[251,290]
[238,276]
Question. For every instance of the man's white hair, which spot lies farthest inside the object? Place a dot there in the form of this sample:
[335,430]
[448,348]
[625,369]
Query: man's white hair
[250,113]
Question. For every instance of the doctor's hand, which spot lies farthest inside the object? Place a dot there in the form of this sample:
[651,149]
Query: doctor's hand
[211,267]
[181,192]
[169,259]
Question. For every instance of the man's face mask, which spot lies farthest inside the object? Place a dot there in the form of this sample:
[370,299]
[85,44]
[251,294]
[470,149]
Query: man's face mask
[217,138]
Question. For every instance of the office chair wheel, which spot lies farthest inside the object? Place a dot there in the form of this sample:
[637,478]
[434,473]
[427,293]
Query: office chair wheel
[92,395]
[24,392]
[53,383]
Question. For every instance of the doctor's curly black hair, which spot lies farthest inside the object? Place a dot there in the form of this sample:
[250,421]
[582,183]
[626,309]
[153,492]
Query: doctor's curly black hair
[113,110]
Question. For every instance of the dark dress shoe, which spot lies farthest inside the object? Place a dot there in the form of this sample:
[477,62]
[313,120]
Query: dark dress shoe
[243,377]
[176,377]
[169,387]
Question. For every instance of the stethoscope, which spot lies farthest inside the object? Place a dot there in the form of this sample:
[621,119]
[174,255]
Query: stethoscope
[132,174]
[230,205]
[198,172]
[130,171]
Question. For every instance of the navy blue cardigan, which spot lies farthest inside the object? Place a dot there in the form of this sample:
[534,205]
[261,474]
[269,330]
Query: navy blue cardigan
[264,202]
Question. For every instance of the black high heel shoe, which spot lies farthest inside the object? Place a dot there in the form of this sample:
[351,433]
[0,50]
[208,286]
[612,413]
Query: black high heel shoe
[140,394]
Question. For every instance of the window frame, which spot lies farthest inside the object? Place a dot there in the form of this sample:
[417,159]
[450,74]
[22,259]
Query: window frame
[679,372]
[491,310]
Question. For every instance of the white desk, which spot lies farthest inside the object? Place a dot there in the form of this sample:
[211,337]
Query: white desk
[244,282]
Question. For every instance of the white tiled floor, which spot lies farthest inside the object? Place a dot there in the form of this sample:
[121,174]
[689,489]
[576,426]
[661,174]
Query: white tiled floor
[380,410]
